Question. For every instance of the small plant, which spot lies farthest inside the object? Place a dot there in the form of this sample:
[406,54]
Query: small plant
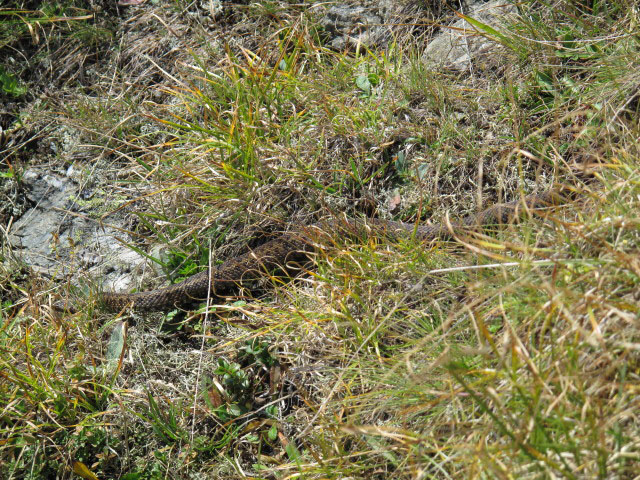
[242,381]
[367,83]
[165,420]
[179,265]
[256,351]
[10,84]
[236,388]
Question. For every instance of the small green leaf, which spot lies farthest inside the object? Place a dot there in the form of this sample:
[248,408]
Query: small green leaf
[402,164]
[116,344]
[363,83]
[272,411]
[235,410]
[272,434]
[545,82]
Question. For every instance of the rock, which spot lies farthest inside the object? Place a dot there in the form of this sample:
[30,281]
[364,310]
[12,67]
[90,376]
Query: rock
[349,26]
[60,235]
[461,44]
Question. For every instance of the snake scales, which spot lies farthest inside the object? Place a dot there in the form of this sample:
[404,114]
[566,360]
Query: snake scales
[281,252]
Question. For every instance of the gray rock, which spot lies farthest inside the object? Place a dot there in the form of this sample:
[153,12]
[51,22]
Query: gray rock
[59,235]
[461,44]
[349,26]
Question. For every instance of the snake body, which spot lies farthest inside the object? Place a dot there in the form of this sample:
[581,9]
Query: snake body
[285,250]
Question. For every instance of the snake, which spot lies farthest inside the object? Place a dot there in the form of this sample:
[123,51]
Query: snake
[285,252]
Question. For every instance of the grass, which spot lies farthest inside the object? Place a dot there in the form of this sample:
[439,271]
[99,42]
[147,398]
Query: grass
[507,354]
[40,38]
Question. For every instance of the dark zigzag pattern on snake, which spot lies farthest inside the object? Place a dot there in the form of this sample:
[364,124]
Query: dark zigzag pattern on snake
[295,245]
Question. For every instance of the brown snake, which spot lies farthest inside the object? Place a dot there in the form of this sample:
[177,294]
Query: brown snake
[279,253]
